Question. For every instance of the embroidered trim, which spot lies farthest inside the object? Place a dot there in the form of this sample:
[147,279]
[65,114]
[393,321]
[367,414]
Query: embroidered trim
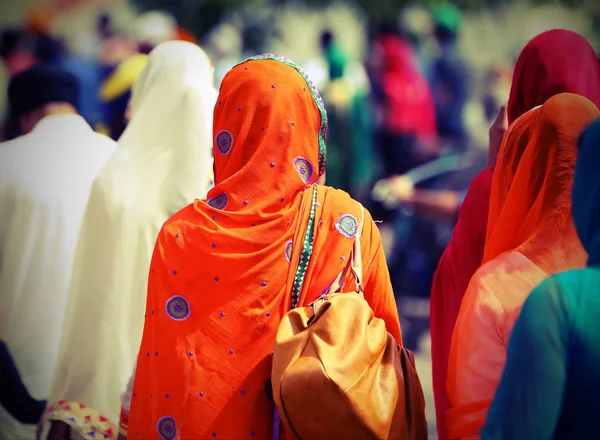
[304,168]
[87,422]
[177,308]
[307,248]
[347,225]
[219,202]
[316,97]
[167,428]
[224,141]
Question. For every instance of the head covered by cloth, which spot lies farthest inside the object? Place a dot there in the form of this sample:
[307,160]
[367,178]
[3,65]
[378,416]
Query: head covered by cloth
[163,162]
[553,62]
[224,268]
[586,193]
[530,216]
[530,204]
[556,61]
[41,85]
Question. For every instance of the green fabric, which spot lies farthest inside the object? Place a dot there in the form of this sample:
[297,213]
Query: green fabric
[448,16]
[363,161]
[307,249]
[336,60]
[551,382]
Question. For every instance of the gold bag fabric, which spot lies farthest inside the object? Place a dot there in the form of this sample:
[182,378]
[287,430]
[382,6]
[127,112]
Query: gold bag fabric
[338,374]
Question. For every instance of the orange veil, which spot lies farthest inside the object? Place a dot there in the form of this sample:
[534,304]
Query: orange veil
[530,203]
[224,269]
[530,212]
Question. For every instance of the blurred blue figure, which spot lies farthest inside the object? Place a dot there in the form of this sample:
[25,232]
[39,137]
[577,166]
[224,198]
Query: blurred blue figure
[449,77]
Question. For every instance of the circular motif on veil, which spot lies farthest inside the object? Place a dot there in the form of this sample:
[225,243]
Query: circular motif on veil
[347,225]
[304,168]
[166,428]
[219,202]
[177,308]
[288,251]
[224,140]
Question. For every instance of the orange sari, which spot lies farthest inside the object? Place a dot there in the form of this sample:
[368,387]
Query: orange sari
[224,270]
[530,235]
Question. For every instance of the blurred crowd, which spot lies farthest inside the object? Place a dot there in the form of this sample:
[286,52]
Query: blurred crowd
[403,107]
[401,134]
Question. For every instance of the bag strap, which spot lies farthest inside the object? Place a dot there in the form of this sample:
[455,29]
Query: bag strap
[306,254]
[356,260]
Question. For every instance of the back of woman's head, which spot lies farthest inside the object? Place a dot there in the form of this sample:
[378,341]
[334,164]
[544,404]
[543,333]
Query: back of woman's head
[168,140]
[586,193]
[531,189]
[269,134]
[557,61]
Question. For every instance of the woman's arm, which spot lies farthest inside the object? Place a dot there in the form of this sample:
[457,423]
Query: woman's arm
[14,396]
[529,398]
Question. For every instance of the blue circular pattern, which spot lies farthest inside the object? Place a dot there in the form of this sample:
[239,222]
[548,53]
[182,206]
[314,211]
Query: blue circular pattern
[219,202]
[347,225]
[224,140]
[288,251]
[177,308]
[304,168]
[166,428]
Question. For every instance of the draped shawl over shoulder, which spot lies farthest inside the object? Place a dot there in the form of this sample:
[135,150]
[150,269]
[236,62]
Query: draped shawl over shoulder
[530,235]
[223,270]
[161,164]
[557,61]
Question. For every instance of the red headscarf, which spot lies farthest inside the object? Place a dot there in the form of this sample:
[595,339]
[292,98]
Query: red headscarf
[411,107]
[554,62]
[557,61]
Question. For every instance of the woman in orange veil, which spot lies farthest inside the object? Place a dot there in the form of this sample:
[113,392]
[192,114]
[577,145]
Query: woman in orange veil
[530,235]
[224,270]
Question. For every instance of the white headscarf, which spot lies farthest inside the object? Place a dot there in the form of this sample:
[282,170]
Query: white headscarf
[162,163]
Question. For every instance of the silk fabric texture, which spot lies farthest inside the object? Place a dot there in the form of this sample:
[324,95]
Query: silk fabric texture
[530,235]
[553,62]
[162,163]
[222,271]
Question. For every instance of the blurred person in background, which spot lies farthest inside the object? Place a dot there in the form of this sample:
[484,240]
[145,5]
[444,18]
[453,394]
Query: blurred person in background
[449,78]
[162,163]
[553,62]
[115,93]
[406,134]
[18,50]
[18,53]
[550,385]
[45,181]
[337,95]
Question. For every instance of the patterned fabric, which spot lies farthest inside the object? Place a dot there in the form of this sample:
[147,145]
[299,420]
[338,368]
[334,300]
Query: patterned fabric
[231,264]
[87,422]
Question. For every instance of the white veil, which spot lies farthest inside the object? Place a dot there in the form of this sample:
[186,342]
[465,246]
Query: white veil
[162,163]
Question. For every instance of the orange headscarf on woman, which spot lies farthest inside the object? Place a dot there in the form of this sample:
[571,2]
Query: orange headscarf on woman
[224,270]
[530,204]
[530,215]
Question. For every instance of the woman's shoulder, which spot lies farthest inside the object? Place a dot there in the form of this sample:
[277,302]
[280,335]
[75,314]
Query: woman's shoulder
[506,280]
[340,201]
